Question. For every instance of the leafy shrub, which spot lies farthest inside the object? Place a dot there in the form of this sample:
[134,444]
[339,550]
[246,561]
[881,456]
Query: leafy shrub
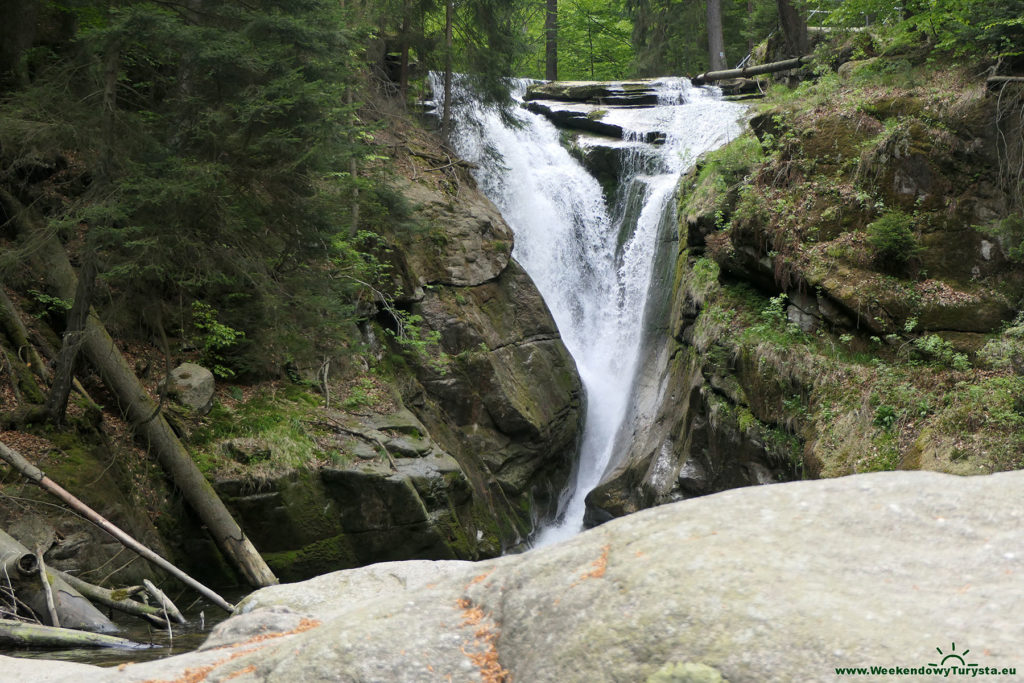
[885,417]
[892,239]
[215,337]
[1010,233]
[941,351]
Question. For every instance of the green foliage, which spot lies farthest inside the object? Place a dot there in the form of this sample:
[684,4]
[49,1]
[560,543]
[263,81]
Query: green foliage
[49,305]
[669,36]
[215,337]
[594,40]
[937,349]
[892,238]
[1006,351]
[235,161]
[1010,230]
[279,422]
[359,395]
[960,27]
[885,417]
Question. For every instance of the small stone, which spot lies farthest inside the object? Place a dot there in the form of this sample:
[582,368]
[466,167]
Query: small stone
[247,450]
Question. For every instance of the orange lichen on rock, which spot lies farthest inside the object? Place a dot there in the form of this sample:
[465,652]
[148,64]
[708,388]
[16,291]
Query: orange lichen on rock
[484,653]
[241,672]
[599,567]
[478,579]
[199,673]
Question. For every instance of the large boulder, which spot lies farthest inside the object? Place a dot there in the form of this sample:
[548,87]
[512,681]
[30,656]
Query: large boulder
[778,583]
[192,386]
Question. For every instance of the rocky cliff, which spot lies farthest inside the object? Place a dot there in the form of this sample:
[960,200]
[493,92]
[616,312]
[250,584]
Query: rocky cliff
[844,295]
[478,433]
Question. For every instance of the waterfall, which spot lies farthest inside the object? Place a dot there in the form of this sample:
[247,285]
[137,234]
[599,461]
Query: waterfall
[591,262]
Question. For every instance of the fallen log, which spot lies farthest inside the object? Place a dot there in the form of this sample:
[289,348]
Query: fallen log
[774,67]
[73,609]
[168,607]
[115,599]
[14,563]
[27,469]
[51,607]
[14,328]
[142,411]
[19,634]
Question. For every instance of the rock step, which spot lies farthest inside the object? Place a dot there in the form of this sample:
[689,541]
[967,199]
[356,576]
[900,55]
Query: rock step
[595,92]
[584,117]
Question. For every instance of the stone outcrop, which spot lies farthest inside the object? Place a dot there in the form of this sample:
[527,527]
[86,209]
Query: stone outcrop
[584,117]
[484,433]
[504,398]
[399,496]
[779,583]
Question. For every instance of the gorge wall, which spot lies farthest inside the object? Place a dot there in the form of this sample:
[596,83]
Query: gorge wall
[456,441]
[794,342]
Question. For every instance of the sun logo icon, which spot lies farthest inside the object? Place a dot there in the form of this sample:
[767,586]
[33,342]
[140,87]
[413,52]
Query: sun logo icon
[952,655]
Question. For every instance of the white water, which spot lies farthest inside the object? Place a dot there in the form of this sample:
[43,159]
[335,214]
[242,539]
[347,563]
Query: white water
[567,240]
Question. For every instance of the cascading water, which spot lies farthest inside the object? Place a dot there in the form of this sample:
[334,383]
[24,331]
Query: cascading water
[591,262]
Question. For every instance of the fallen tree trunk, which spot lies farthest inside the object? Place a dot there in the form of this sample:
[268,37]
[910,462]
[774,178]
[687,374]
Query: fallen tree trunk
[746,71]
[115,599]
[168,607]
[16,331]
[73,609]
[33,473]
[19,634]
[14,563]
[142,411]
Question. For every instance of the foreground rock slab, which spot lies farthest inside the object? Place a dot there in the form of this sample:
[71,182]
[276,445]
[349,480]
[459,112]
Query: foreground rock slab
[775,583]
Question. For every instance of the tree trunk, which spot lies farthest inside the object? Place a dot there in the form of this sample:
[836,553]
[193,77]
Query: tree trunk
[794,29]
[716,43]
[60,389]
[18,20]
[750,17]
[143,413]
[15,329]
[19,634]
[446,115]
[774,67]
[111,67]
[551,41]
[72,608]
[403,68]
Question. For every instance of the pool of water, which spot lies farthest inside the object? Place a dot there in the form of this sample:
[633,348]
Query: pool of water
[202,616]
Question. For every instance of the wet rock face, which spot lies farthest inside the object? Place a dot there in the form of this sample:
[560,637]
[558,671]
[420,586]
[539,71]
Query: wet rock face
[698,443]
[758,584]
[506,402]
